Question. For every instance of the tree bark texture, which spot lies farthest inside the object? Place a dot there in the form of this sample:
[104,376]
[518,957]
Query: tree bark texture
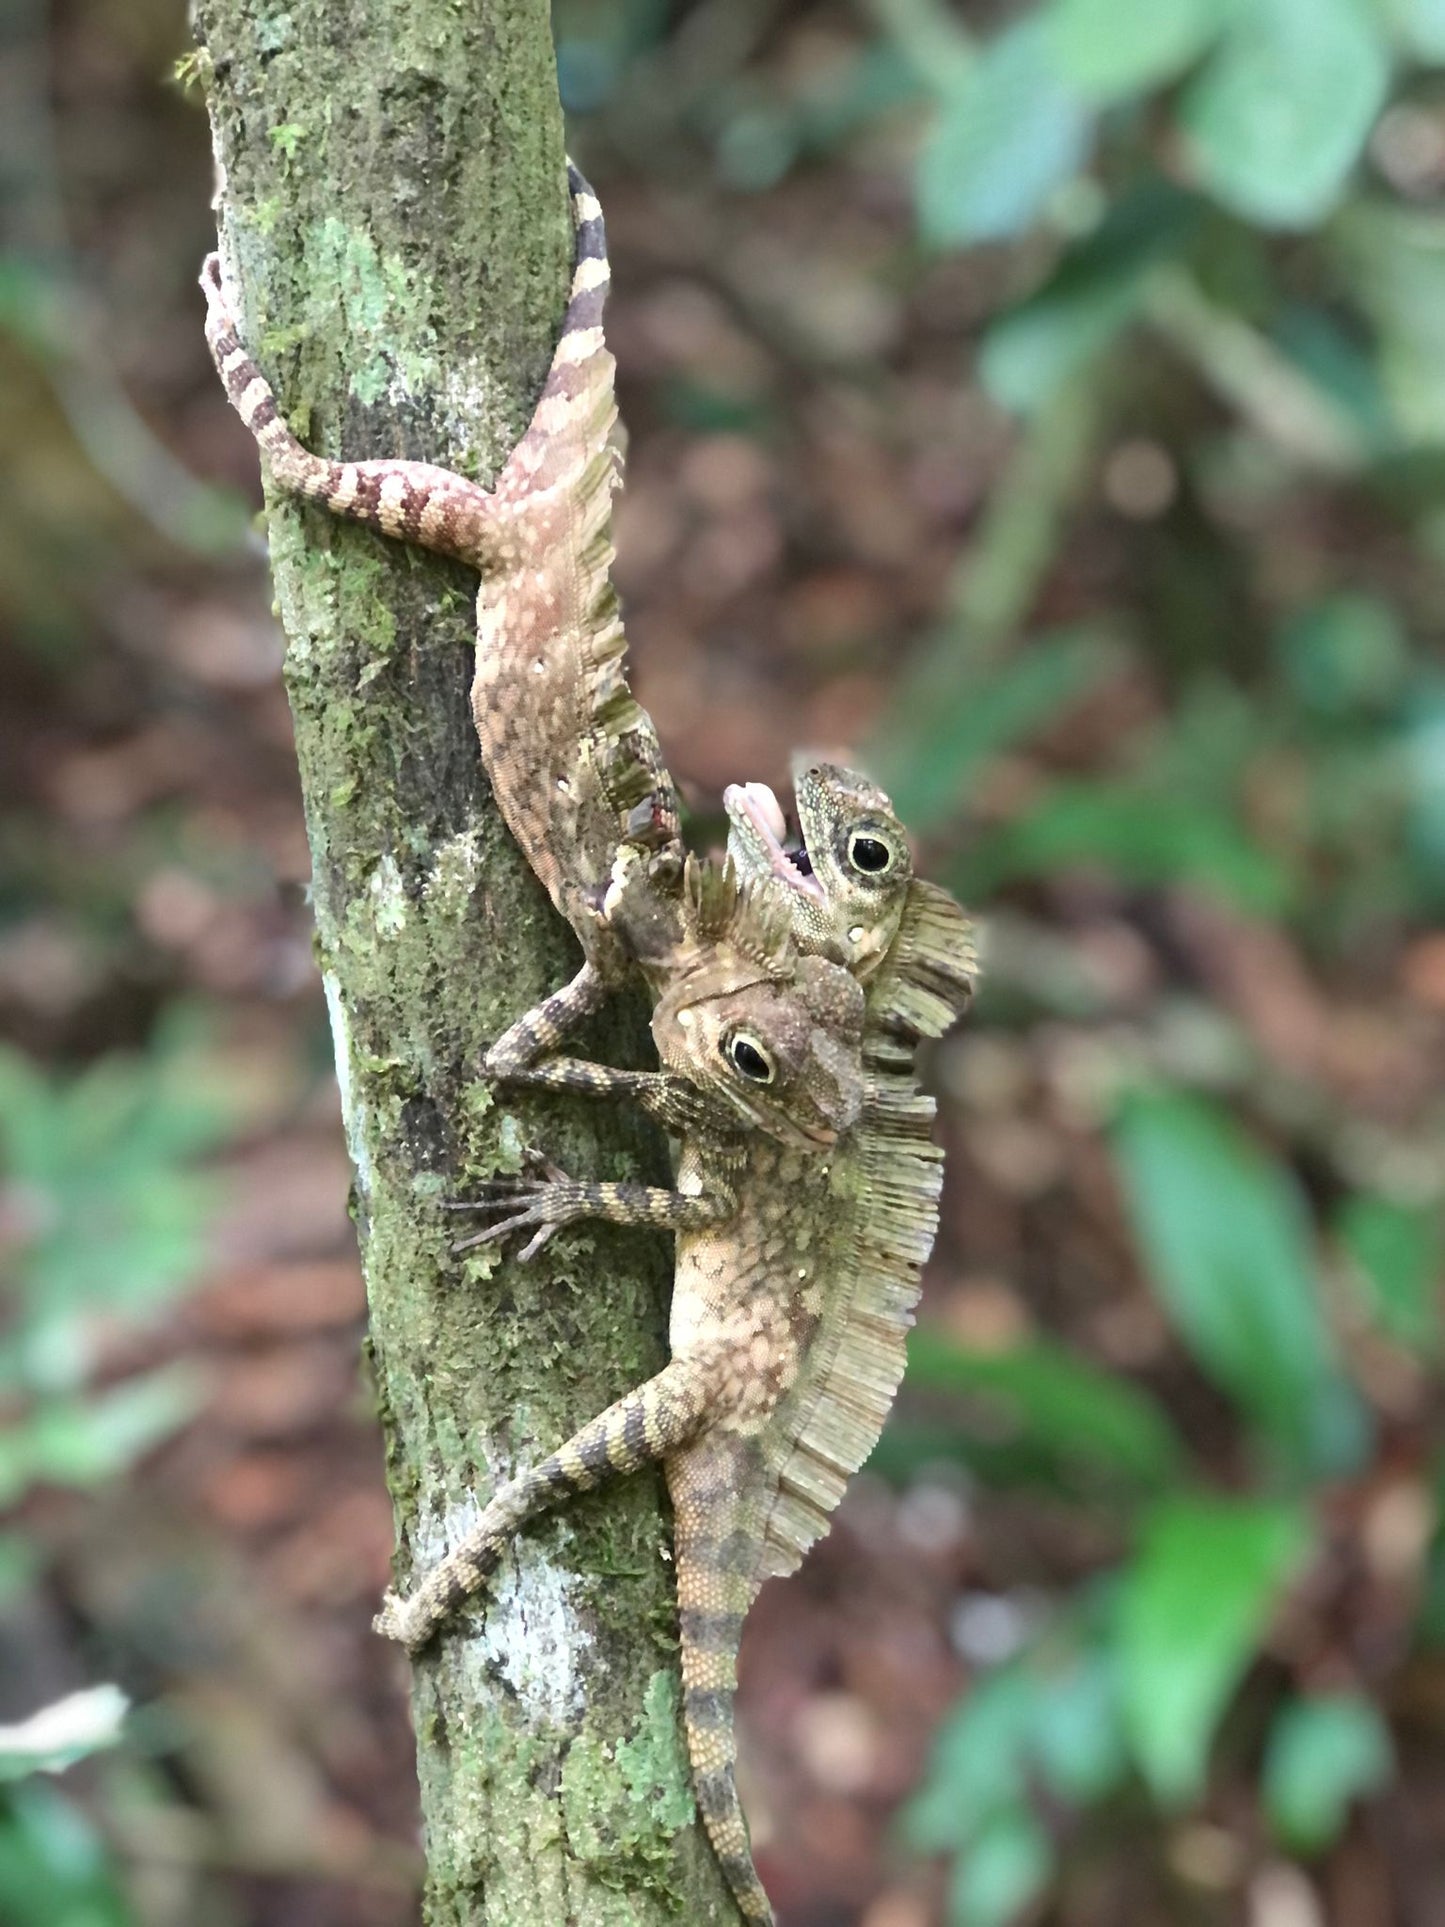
[394,222]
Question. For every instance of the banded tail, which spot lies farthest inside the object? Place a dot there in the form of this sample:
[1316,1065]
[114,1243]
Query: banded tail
[716,1550]
[418,501]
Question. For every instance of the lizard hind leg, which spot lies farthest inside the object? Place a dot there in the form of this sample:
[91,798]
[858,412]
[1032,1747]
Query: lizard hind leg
[651,1421]
[419,501]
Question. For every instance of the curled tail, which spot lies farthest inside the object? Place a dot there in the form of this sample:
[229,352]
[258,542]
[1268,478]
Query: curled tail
[714,1591]
[417,501]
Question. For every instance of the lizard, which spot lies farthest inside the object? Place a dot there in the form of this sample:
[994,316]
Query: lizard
[549,672]
[573,760]
[818,1271]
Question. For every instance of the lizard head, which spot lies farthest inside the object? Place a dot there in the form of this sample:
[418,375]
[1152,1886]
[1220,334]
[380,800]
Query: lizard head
[846,878]
[781,1052]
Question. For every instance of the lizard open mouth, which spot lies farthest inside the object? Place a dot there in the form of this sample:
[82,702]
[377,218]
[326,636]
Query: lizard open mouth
[753,808]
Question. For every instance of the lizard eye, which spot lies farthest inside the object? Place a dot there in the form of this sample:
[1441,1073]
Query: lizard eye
[870,854]
[747,1055]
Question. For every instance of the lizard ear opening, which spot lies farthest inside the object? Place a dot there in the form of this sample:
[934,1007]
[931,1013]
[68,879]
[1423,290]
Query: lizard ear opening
[749,1057]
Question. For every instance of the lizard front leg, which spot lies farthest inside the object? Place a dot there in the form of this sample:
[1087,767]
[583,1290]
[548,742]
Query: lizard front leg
[543,1027]
[543,1205]
[680,1107]
[650,1422]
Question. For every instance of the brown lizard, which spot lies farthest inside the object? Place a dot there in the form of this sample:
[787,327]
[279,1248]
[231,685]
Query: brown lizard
[756,1042]
[598,819]
[813,1282]
[573,761]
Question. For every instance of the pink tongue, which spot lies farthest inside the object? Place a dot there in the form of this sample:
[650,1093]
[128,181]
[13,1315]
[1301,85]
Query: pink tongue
[767,807]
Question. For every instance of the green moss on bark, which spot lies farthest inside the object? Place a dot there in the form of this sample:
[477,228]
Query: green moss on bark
[394,216]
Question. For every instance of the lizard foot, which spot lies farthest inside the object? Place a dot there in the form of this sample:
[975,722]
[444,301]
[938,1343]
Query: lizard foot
[219,317]
[399,1620]
[541,1199]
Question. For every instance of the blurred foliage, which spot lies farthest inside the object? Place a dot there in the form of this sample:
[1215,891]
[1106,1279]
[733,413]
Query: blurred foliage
[1180,694]
[1148,156]
[1250,195]
[55,1871]
[102,1224]
[105,1216]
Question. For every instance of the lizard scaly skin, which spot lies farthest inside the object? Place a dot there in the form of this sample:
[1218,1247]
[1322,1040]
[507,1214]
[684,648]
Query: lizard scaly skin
[838,1251]
[573,761]
[796,1272]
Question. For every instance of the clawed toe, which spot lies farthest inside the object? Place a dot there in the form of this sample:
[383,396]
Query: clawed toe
[524,1201]
[478,1238]
[489,1191]
[530,1217]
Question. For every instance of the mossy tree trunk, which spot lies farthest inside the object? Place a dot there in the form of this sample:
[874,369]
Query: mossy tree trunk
[393,215]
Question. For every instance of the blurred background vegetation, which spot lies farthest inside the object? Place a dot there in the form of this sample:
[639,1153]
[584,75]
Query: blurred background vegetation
[1046,401]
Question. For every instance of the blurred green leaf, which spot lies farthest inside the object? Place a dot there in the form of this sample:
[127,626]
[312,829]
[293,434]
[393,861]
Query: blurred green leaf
[99,1161]
[1062,1403]
[1323,1754]
[1226,1235]
[1078,1737]
[20,1560]
[54,1868]
[1340,366]
[1423,749]
[978,1763]
[1345,653]
[1394,257]
[1193,1605]
[1095,290]
[1009,134]
[58,1735]
[30,305]
[937,753]
[1051,1721]
[1136,832]
[81,1444]
[1111,48]
[1397,1253]
[84,1441]
[1006,1865]
[1419,26]
[1282,111]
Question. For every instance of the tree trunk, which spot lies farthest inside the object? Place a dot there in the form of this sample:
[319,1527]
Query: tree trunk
[394,217]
